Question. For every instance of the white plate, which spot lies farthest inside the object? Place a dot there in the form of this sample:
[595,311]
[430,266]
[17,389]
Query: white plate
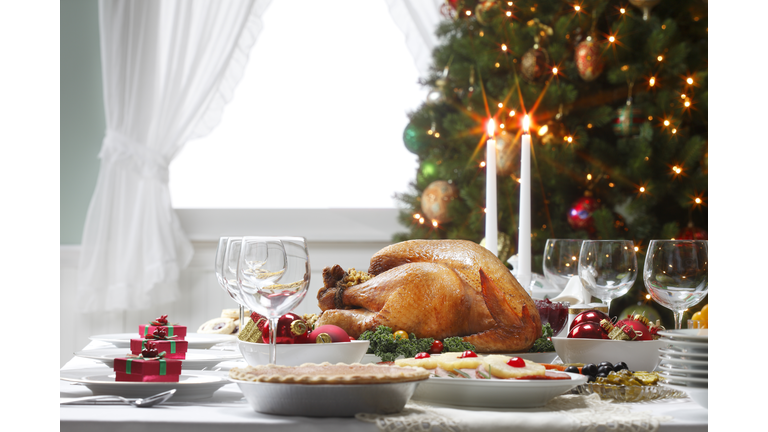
[685,346]
[686,381]
[196,340]
[196,359]
[699,395]
[692,335]
[684,356]
[191,385]
[681,371]
[693,364]
[494,393]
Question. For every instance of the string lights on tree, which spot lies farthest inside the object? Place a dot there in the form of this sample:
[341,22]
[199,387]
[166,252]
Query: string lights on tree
[599,146]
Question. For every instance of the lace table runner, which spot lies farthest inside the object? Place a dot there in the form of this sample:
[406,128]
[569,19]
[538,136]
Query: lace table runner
[571,413]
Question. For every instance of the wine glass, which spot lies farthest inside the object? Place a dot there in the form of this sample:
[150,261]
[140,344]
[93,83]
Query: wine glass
[675,274]
[607,268]
[226,271]
[561,261]
[220,269]
[273,277]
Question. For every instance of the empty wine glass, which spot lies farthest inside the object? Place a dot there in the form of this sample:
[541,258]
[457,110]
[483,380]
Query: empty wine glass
[675,274]
[225,277]
[607,268]
[561,261]
[273,277]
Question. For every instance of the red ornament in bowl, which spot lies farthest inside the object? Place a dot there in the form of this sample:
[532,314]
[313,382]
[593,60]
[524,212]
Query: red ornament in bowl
[593,316]
[588,330]
[291,329]
[328,333]
[642,331]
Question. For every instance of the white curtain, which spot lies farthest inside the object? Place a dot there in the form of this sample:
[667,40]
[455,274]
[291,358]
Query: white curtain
[418,21]
[169,67]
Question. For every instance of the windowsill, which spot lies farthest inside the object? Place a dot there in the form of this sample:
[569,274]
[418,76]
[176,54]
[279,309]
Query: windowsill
[326,225]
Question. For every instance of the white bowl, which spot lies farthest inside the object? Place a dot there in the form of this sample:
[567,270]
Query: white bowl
[638,355]
[312,400]
[257,354]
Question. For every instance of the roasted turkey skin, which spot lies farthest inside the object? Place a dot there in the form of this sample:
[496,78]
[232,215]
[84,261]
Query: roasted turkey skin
[438,289]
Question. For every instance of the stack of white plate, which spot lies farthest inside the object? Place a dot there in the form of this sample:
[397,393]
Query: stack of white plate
[684,362]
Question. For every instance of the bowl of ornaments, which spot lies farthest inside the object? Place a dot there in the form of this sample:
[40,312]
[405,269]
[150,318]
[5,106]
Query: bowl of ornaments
[298,340]
[594,338]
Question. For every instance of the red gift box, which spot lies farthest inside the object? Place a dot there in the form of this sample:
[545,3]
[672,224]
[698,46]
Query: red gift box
[160,370]
[173,330]
[173,349]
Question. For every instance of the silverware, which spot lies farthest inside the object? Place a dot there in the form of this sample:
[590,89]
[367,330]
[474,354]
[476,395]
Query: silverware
[141,403]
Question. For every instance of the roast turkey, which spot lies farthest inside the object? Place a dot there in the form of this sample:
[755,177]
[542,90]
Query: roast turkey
[433,288]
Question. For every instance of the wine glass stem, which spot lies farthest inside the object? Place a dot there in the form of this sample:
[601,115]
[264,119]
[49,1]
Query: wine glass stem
[272,341]
[678,319]
[608,306]
[242,316]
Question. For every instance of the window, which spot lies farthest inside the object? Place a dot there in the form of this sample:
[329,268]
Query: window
[316,121]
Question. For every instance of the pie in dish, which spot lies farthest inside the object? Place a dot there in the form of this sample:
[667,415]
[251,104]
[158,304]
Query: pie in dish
[327,373]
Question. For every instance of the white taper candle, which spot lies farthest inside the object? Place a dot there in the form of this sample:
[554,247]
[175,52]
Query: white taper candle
[524,230]
[491,215]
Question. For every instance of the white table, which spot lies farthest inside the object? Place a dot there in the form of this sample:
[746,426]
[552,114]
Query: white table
[227,410]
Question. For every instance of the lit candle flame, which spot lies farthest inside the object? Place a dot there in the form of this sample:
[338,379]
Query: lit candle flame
[491,128]
[526,124]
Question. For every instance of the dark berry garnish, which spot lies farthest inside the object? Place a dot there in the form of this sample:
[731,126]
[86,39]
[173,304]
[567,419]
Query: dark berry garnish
[590,378]
[605,369]
[589,369]
[572,369]
[601,375]
[620,366]
[605,363]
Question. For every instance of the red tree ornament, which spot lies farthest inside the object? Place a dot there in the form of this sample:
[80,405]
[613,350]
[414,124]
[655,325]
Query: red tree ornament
[692,233]
[580,214]
[589,62]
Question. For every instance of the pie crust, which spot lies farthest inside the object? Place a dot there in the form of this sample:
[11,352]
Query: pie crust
[327,373]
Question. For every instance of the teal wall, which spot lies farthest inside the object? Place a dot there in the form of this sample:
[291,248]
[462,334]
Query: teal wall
[82,113]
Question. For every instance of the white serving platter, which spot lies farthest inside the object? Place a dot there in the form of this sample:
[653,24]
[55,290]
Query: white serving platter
[492,393]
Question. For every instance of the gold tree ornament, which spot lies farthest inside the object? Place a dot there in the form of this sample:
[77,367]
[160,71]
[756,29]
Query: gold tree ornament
[504,243]
[435,200]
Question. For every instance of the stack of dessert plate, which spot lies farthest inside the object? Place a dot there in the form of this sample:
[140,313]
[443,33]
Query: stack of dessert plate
[684,360]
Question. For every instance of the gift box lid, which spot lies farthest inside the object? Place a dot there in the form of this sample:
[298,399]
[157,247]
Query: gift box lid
[152,366]
[170,346]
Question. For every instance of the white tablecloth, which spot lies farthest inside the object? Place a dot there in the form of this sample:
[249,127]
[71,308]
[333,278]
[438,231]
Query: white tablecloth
[227,410]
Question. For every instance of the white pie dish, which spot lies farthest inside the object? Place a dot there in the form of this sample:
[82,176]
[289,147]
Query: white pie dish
[638,355]
[331,400]
[257,354]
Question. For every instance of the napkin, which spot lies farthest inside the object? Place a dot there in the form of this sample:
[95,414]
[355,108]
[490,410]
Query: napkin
[574,293]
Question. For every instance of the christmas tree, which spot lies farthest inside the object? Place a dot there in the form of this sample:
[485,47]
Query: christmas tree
[617,97]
